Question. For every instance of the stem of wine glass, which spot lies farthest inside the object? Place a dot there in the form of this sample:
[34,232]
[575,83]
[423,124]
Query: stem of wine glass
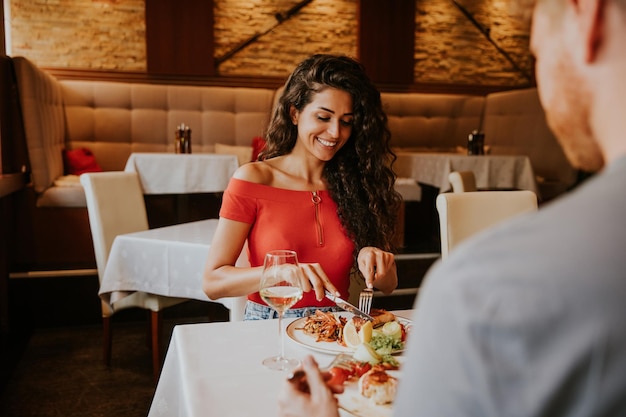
[281,336]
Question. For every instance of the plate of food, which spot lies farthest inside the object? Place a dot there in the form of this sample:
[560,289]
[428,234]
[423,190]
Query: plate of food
[371,395]
[369,390]
[343,332]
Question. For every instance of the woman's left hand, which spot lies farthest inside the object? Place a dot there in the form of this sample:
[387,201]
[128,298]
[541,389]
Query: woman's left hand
[378,268]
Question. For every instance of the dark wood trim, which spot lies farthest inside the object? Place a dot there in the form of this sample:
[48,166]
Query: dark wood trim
[10,183]
[470,89]
[142,77]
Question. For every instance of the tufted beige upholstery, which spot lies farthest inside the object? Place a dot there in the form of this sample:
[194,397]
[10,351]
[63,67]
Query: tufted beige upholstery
[436,122]
[114,119]
[42,108]
[515,124]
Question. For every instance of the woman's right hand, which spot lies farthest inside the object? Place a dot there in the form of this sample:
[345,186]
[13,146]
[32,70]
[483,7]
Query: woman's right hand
[316,279]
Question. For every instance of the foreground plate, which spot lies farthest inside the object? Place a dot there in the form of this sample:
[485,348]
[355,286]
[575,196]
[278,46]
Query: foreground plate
[353,402]
[356,404]
[297,335]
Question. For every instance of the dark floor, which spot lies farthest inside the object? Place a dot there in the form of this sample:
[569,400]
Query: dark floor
[58,371]
[61,374]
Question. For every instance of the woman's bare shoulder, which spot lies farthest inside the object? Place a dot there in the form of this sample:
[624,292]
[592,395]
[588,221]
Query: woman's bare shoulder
[257,172]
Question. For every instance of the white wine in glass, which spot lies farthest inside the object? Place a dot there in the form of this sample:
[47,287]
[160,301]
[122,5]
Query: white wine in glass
[280,289]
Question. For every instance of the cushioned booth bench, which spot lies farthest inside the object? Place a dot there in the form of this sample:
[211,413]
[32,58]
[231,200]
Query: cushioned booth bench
[114,119]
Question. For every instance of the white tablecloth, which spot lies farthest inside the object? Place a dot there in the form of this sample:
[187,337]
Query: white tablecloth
[165,173]
[165,261]
[491,171]
[214,369]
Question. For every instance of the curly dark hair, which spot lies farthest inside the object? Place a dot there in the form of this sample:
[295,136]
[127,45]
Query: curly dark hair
[359,176]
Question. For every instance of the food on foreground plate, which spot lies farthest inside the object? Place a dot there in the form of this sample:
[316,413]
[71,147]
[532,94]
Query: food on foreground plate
[365,353]
[377,385]
[347,371]
[361,380]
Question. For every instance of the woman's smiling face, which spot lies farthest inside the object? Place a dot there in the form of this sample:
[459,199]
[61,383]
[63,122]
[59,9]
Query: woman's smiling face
[325,124]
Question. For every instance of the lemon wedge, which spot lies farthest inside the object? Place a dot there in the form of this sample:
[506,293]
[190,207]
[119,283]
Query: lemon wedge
[365,332]
[365,353]
[351,337]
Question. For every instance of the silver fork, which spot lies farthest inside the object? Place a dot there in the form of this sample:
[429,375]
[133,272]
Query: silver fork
[365,300]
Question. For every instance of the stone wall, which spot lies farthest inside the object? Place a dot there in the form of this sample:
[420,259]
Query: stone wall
[110,35]
[323,26]
[450,47]
[92,34]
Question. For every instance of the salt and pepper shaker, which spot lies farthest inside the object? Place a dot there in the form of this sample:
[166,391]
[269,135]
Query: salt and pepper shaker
[183,139]
[476,143]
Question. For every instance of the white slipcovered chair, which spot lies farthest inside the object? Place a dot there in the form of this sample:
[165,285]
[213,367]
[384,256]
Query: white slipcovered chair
[116,206]
[463,214]
[462,181]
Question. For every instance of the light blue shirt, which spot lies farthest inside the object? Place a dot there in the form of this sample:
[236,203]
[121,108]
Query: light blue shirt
[529,318]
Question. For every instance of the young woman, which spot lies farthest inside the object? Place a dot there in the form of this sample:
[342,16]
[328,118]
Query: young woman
[323,187]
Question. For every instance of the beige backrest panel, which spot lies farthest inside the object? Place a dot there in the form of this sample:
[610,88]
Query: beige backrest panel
[115,205]
[515,124]
[115,119]
[436,121]
[462,181]
[462,215]
[44,127]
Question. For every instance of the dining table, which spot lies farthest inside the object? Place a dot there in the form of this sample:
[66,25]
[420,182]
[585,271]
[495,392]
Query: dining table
[215,369]
[191,183]
[167,261]
[491,171]
[171,173]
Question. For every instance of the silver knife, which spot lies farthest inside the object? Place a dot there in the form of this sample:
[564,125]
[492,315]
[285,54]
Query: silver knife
[348,307]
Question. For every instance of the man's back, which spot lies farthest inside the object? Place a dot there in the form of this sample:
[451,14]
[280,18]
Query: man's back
[535,331]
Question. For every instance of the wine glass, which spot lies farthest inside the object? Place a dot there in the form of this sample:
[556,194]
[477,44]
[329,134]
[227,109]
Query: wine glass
[280,289]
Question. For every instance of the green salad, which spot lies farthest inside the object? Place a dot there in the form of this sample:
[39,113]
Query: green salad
[385,344]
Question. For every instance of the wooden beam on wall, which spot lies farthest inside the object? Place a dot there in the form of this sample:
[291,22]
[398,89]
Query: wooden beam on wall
[179,37]
[386,40]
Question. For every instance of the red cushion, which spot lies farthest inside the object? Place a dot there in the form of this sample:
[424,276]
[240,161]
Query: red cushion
[78,161]
[258,143]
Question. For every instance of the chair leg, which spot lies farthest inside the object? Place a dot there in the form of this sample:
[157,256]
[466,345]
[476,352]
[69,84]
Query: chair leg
[155,319]
[106,340]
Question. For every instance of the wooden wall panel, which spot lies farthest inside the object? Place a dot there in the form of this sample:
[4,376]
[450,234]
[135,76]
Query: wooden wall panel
[179,37]
[386,40]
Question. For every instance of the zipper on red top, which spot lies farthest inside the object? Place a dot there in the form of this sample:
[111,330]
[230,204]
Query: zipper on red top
[317,200]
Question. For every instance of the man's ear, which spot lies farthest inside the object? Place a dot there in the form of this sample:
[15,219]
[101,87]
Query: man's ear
[591,14]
